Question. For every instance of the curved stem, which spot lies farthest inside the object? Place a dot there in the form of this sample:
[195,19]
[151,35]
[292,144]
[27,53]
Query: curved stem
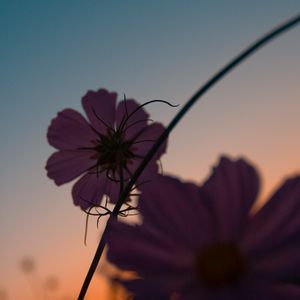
[100,247]
[211,82]
[94,263]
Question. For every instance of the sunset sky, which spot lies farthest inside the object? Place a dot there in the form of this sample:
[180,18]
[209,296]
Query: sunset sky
[52,52]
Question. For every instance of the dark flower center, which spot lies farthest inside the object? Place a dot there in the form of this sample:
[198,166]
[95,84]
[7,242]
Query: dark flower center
[113,151]
[219,265]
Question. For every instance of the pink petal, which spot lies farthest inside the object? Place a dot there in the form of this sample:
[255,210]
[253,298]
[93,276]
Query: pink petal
[281,264]
[69,130]
[272,238]
[112,189]
[196,292]
[176,209]
[247,291]
[268,290]
[100,108]
[150,170]
[147,289]
[285,292]
[147,138]
[136,122]
[64,166]
[145,250]
[229,194]
[89,190]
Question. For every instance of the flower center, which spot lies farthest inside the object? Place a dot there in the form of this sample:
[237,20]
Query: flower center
[219,265]
[114,151]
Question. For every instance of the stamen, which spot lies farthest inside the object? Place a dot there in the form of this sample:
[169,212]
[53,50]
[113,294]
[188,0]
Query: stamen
[95,130]
[125,116]
[111,178]
[128,171]
[142,141]
[146,103]
[102,215]
[102,121]
[89,213]
[136,122]
[125,103]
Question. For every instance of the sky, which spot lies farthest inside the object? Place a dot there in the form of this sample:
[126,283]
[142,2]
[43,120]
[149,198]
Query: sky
[52,52]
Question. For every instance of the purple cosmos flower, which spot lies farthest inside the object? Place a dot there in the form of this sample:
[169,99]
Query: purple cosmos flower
[203,242]
[105,149]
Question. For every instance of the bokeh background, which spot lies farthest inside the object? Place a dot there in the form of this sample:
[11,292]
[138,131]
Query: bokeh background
[52,52]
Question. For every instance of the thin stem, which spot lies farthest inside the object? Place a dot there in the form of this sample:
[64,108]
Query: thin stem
[211,82]
[100,247]
[94,263]
[144,104]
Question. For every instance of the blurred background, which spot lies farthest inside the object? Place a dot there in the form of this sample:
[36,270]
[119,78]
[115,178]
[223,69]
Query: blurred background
[52,52]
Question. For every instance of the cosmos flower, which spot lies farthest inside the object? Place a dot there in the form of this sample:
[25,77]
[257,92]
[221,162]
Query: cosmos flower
[109,145]
[202,242]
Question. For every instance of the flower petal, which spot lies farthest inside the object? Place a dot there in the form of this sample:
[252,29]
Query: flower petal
[89,190]
[100,108]
[229,194]
[147,251]
[176,209]
[272,238]
[147,138]
[146,289]
[70,131]
[150,170]
[268,290]
[112,189]
[137,117]
[196,292]
[258,290]
[64,166]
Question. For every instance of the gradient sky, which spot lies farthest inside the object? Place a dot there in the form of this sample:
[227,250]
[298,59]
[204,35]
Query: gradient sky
[52,52]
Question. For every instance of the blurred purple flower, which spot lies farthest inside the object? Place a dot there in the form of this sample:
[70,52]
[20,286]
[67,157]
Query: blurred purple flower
[203,242]
[27,265]
[3,295]
[116,136]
